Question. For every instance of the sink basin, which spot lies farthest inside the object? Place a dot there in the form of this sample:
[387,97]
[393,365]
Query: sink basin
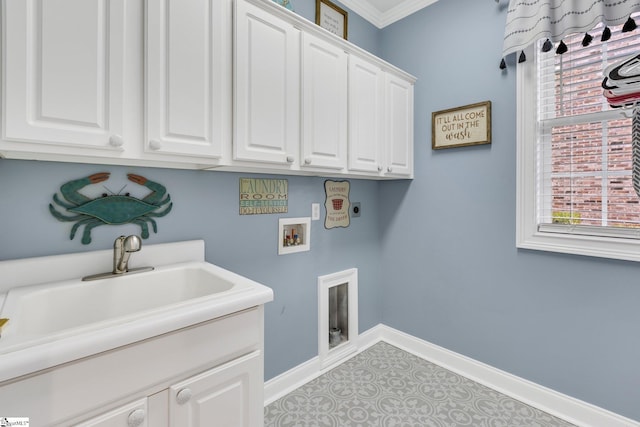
[56,318]
[53,308]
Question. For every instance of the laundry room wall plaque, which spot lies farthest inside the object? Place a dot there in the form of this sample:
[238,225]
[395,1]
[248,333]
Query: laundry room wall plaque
[461,126]
[263,196]
[336,204]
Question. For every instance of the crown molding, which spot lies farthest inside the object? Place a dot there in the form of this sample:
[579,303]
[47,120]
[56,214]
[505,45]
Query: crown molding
[381,19]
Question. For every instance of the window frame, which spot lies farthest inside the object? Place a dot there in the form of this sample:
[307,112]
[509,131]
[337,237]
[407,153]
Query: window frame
[528,234]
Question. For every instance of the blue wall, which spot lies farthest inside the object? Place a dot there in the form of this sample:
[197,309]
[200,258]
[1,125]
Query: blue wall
[453,275]
[436,256]
[205,206]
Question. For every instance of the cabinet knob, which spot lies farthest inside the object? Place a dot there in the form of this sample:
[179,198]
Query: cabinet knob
[379,168]
[307,161]
[136,418]
[183,396]
[290,159]
[154,144]
[389,169]
[116,140]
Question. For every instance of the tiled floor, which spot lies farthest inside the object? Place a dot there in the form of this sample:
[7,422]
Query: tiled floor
[385,386]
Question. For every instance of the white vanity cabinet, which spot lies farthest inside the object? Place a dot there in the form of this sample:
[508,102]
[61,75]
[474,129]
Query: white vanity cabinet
[63,78]
[266,87]
[203,375]
[229,395]
[188,78]
[134,414]
[324,104]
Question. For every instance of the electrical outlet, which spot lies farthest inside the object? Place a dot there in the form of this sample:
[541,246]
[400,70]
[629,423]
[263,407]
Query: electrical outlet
[355,210]
[315,211]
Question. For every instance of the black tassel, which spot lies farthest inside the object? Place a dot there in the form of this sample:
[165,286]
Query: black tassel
[562,48]
[586,41]
[522,57]
[630,25]
[503,64]
[547,46]
[606,34]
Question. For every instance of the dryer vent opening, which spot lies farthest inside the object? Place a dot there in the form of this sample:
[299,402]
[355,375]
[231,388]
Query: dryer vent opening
[337,315]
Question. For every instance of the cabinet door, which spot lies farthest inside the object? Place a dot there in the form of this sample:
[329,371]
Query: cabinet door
[227,396]
[399,123]
[188,77]
[267,87]
[133,414]
[324,104]
[63,76]
[366,116]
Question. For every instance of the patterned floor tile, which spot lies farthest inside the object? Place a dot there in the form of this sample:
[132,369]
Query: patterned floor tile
[388,387]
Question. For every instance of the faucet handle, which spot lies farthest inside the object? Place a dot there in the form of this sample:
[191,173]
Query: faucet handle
[132,243]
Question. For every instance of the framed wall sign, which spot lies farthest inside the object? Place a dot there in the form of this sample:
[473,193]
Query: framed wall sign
[461,126]
[331,17]
[263,196]
[336,203]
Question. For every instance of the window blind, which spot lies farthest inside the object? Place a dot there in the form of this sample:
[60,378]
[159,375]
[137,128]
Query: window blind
[584,152]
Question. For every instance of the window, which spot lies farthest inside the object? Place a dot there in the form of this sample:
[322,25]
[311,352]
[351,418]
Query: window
[575,192]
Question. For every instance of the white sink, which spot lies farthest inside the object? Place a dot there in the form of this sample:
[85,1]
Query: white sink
[54,307]
[62,319]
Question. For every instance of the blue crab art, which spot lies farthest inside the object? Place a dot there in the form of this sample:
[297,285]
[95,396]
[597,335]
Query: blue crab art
[112,209]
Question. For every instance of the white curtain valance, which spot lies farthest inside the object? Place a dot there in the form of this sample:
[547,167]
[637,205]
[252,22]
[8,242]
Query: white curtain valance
[531,20]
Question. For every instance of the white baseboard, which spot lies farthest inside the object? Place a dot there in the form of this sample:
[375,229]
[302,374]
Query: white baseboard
[562,406]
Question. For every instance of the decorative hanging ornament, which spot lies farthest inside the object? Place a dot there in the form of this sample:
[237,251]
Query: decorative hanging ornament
[503,64]
[522,58]
[606,34]
[547,46]
[630,25]
[586,41]
[562,48]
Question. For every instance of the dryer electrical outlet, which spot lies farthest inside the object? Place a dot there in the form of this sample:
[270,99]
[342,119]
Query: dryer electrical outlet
[355,209]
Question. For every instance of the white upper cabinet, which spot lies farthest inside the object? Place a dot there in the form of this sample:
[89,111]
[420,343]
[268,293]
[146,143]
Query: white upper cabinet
[188,77]
[63,74]
[399,126]
[230,85]
[267,87]
[324,104]
[366,115]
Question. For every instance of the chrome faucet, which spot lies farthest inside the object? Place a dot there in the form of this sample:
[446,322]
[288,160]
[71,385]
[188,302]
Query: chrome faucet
[123,247]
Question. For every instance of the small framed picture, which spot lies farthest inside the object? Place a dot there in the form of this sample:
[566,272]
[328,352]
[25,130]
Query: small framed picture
[331,17]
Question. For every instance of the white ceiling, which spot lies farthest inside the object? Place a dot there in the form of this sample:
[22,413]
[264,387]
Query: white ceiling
[384,12]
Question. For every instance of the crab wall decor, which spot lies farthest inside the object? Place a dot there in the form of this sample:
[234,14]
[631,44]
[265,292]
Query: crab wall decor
[114,209]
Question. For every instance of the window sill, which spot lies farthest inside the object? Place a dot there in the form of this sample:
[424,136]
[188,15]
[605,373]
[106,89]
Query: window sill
[602,247]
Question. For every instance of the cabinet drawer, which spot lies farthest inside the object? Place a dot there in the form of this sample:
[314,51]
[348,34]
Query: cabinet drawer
[102,381]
